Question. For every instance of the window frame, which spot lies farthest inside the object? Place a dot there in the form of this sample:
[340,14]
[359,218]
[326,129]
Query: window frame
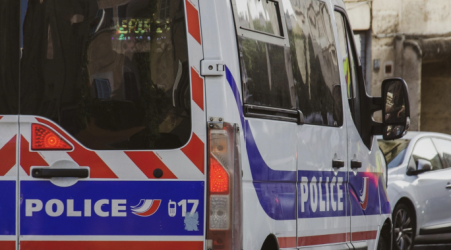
[438,151]
[257,111]
[272,113]
[364,120]
[435,148]
[260,35]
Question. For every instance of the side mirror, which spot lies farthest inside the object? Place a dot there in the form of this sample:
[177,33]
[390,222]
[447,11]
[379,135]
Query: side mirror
[396,109]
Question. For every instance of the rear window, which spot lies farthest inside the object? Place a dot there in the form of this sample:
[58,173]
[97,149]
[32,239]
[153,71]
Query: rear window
[394,151]
[114,74]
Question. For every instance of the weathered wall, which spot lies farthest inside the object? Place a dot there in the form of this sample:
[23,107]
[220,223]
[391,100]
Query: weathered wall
[399,27]
[436,97]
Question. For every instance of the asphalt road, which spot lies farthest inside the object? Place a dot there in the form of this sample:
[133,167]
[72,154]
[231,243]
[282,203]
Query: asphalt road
[433,247]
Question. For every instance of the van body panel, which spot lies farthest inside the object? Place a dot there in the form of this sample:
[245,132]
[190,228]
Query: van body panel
[128,188]
[140,127]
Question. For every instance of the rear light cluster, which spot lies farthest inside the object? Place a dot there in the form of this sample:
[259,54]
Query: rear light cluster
[44,138]
[224,193]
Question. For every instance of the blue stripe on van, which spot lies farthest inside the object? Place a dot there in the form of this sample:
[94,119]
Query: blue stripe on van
[276,190]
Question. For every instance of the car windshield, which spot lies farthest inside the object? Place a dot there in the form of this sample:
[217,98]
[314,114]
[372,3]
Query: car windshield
[393,151]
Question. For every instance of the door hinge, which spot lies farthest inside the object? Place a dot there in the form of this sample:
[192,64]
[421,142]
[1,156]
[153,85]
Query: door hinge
[212,68]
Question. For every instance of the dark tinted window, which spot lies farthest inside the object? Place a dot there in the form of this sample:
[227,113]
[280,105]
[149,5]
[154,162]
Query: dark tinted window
[314,62]
[9,56]
[114,74]
[265,75]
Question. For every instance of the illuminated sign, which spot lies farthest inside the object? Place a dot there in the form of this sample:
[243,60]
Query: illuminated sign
[138,28]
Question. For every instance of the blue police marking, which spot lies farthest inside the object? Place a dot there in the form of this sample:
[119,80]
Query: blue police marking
[7,208]
[113,208]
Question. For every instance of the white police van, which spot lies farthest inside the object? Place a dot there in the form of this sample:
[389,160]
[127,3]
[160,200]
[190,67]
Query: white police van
[189,124]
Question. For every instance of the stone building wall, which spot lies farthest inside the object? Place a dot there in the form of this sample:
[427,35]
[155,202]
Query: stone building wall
[412,39]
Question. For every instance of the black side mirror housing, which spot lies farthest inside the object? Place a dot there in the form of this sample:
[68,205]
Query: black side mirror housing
[396,108]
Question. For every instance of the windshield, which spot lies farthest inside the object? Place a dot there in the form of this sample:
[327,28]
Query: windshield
[114,74]
[394,151]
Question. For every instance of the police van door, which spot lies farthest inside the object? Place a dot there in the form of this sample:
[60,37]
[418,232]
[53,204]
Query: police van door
[366,180]
[322,212]
[112,125]
[9,85]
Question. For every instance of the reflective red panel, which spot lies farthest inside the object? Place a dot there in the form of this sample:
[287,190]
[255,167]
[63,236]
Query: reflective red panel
[44,138]
[219,178]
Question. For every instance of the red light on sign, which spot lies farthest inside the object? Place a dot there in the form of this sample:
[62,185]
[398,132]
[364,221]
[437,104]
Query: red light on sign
[44,138]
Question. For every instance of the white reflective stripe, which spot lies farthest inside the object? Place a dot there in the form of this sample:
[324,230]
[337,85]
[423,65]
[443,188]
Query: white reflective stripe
[121,165]
[180,164]
[52,156]
[195,55]
[110,238]
[199,121]
[13,171]
[10,118]
[8,238]
[22,173]
[322,226]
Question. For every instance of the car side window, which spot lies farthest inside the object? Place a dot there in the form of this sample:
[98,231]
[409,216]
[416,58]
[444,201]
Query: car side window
[444,149]
[425,149]
[348,56]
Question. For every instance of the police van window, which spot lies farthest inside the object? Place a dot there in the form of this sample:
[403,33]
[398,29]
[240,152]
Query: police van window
[260,15]
[265,76]
[314,62]
[114,74]
[9,56]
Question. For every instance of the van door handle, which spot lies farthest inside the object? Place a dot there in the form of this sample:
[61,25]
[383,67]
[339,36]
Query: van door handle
[338,164]
[356,164]
[448,186]
[60,172]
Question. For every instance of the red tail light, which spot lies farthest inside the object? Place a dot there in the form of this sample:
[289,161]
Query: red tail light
[219,178]
[44,138]
[224,193]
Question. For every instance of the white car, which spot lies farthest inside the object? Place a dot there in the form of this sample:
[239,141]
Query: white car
[419,188]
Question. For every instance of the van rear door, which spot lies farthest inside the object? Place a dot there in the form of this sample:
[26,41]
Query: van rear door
[9,86]
[112,125]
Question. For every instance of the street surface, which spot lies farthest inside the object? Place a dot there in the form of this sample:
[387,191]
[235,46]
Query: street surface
[433,247]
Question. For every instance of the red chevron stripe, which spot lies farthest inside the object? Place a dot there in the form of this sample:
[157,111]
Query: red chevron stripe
[194,150]
[84,157]
[147,161]
[29,159]
[198,88]
[7,245]
[110,245]
[8,156]
[193,21]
